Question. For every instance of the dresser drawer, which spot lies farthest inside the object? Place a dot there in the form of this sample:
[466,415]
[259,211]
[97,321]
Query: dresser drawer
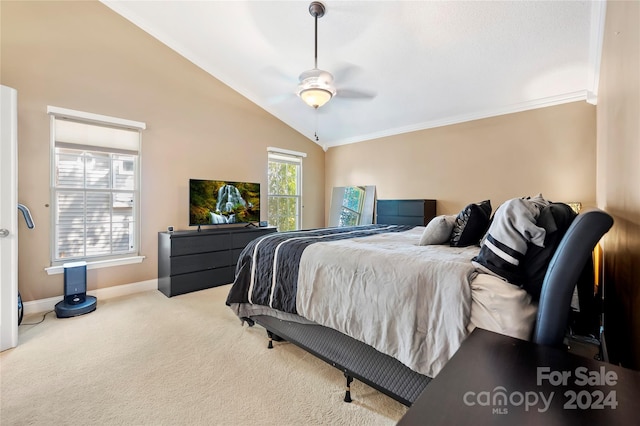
[400,220]
[195,281]
[197,244]
[405,212]
[200,262]
[241,239]
[401,207]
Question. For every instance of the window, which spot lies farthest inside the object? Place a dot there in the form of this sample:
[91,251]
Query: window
[285,188]
[95,186]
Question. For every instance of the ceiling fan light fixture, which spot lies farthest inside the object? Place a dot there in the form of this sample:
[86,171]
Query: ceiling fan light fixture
[315,87]
[315,97]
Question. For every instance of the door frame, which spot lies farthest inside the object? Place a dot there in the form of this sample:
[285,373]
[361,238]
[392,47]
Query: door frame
[9,217]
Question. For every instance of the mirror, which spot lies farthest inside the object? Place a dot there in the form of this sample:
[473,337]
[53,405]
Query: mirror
[352,205]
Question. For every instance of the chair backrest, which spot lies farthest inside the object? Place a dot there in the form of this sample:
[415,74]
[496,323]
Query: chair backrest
[563,273]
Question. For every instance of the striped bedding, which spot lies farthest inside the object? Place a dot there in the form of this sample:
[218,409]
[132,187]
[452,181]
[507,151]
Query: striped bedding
[373,283]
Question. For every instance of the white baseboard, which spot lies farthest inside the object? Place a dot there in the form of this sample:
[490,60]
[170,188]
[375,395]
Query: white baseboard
[46,305]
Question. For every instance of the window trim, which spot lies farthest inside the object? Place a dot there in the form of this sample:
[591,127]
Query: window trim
[293,157]
[97,119]
[56,266]
[272,149]
[97,264]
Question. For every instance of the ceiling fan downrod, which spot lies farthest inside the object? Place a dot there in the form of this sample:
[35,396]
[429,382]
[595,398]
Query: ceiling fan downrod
[316,9]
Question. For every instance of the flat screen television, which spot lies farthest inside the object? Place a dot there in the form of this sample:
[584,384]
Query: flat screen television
[217,202]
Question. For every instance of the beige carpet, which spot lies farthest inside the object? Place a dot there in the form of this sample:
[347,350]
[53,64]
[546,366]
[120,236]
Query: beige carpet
[146,359]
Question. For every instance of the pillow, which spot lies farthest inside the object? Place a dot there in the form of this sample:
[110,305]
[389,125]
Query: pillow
[538,201]
[513,229]
[438,230]
[471,224]
[555,219]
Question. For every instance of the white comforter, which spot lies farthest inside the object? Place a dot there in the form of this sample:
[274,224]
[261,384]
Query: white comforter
[411,302]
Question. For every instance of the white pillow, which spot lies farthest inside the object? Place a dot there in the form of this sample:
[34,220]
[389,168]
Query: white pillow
[438,230]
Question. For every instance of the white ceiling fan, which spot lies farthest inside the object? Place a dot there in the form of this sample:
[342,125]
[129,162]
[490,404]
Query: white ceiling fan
[316,86]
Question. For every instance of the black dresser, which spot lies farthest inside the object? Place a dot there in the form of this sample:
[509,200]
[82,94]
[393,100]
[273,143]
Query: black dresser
[405,212]
[190,260]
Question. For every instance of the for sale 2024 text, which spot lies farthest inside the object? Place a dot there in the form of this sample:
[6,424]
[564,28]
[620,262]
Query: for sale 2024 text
[582,376]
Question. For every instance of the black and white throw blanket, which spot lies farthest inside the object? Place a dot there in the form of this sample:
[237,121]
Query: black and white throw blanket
[373,283]
[267,270]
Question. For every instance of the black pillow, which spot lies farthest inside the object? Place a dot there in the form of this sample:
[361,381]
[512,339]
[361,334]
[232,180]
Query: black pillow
[555,219]
[471,224]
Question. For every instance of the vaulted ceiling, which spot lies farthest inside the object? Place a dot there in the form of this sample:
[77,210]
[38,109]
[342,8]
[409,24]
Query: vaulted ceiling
[398,66]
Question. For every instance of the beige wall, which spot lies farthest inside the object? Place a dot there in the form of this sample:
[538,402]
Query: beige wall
[83,56]
[550,151]
[618,118]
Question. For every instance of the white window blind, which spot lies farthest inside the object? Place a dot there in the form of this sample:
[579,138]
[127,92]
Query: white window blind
[96,190]
[77,135]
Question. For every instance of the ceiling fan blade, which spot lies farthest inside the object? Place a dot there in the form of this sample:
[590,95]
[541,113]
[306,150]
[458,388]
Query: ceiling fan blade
[346,72]
[279,76]
[280,82]
[278,99]
[355,94]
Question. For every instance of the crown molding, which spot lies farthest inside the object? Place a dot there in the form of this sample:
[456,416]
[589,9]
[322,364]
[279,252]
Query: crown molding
[520,107]
[596,41]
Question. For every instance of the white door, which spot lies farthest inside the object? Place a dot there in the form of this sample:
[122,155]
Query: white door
[8,218]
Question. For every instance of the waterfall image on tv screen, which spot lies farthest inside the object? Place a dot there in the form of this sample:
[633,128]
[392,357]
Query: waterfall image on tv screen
[215,202]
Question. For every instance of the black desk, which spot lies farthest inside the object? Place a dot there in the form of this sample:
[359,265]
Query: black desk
[498,380]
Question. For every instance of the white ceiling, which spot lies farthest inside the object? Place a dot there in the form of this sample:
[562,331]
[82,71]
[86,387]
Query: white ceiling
[428,63]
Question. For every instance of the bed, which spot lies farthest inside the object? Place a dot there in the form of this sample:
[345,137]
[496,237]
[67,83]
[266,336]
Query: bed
[389,304]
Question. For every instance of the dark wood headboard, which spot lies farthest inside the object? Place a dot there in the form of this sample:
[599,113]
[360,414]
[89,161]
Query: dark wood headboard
[405,212]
